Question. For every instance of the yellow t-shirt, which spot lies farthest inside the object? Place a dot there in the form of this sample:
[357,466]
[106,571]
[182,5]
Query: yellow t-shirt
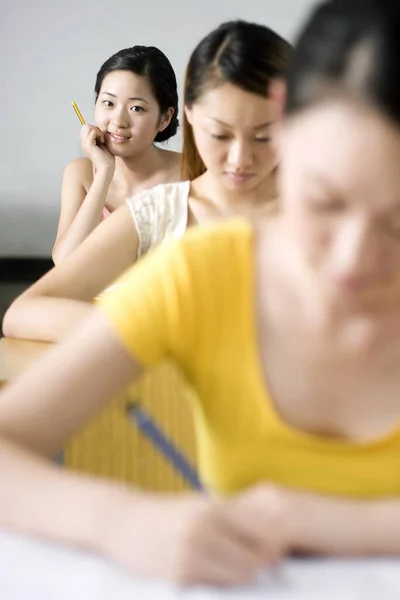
[193,301]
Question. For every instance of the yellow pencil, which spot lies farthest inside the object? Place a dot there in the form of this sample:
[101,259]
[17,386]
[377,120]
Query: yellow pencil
[78,112]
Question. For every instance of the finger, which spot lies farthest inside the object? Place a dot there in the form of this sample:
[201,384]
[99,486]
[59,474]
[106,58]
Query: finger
[91,139]
[100,139]
[93,130]
[257,531]
[224,546]
[85,131]
[236,556]
[98,131]
[98,135]
[220,551]
[208,571]
[106,151]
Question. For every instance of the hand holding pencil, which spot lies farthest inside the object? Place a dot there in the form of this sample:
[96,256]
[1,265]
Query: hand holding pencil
[94,146]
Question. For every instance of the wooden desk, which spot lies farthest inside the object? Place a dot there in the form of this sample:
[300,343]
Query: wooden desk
[16,356]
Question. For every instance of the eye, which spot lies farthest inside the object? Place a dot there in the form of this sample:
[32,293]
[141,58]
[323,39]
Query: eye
[263,140]
[137,109]
[107,103]
[326,206]
[221,138]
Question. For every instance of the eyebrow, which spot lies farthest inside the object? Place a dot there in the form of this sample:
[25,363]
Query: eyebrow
[230,126]
[323,182]
[135,98]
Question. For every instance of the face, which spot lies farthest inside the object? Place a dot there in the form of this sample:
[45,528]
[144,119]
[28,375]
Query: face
[128,112]
[339,182]
[232,131]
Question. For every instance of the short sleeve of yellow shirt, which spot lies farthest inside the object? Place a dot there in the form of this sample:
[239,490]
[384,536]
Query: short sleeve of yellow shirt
[172,302]
[193,301]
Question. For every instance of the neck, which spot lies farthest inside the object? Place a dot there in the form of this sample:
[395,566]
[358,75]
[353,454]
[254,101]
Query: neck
[230,202]
[135,169]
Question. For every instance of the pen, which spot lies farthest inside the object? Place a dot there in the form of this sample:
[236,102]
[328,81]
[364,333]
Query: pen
[151,430]
[78,112]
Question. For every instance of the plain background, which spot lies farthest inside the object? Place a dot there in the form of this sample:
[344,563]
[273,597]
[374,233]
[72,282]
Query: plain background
[51,52]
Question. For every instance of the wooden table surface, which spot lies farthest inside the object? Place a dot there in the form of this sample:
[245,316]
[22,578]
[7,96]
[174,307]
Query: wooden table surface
[16,356]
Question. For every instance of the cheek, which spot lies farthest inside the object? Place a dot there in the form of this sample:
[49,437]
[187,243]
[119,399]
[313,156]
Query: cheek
[151,121]
[144,122]
[211,152]
[315,242]
[144,127]
[267,150]
[388,256]
[100,116]
[312,237]
[266,156]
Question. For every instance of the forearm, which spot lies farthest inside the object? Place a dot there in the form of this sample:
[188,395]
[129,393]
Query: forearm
[341,527]
[43,319]
[39,498]
[86,220]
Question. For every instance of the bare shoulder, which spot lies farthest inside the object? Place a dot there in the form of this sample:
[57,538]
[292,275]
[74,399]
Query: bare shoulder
[172,162]
[80,169]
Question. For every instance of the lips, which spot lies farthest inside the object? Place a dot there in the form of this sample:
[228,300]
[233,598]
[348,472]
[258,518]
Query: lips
[240,177]
[353,284]
[118,139]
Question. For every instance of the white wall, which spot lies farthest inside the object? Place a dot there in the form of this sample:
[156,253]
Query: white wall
[51,51]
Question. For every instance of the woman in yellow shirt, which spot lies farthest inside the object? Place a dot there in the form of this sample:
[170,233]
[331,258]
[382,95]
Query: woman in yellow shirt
[289,330]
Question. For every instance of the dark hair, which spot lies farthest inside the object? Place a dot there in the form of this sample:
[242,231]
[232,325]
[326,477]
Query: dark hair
[348,46]
[245,54]
[150,62]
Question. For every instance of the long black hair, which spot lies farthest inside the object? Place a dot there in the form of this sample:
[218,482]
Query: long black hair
[150,62]
[350,46]
[247,55]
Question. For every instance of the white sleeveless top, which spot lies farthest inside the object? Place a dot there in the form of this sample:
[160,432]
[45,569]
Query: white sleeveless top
[160,213]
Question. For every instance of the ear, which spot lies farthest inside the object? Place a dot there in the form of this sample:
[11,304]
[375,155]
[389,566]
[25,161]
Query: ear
[166,119]
[277,93]
[189,114]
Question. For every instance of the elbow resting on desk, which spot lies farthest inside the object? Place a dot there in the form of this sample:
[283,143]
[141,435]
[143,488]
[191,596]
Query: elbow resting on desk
[42,318]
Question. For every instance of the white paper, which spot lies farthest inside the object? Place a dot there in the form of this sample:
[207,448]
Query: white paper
[38,570]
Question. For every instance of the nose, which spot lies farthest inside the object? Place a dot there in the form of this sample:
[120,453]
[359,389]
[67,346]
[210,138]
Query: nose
[120,118]
[240,155]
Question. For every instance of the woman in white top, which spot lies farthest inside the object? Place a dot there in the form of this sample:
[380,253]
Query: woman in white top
[136,105]
[229,115]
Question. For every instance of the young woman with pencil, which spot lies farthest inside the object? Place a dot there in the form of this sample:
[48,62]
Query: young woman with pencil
[228,168]
[136,105]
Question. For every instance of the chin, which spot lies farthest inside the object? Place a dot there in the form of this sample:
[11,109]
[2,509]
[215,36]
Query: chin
[122,152]
[242,185]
